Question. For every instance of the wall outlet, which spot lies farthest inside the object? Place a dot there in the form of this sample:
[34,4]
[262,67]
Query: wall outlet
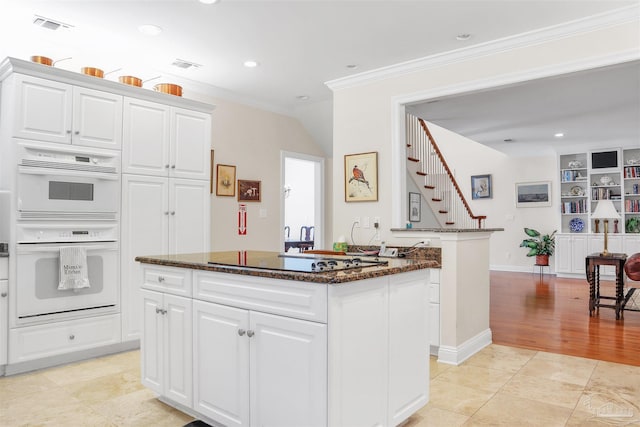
[376,221]
[356,221]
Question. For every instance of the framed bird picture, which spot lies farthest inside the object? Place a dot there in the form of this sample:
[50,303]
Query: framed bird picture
[361,177]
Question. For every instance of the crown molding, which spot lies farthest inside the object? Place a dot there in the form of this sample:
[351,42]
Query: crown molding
[568,29]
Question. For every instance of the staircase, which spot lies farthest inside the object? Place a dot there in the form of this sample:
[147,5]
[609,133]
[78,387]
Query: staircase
[430,172]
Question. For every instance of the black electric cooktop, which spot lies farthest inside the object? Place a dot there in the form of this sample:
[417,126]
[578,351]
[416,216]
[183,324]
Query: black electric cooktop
[288,262]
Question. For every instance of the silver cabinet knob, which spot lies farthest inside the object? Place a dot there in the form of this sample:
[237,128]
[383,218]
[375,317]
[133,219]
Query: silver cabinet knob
[161,279]
[173,166]
[241,332]
[72,337]
[163,311]
[158,310]
[250,333]
[3,295]
[68,131]
[173,212]
[166,166]
[166,213]
[77,132]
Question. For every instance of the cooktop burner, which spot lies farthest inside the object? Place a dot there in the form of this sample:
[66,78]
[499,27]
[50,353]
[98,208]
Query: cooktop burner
[298,263]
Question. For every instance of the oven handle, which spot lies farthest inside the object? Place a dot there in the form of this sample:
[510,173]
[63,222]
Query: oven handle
[32,248]
[67,172]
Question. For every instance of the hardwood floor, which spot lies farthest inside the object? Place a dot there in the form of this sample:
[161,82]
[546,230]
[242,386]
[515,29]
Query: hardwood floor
[552,314]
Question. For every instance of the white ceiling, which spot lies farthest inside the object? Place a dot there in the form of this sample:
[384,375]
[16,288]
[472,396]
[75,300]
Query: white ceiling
[299,44]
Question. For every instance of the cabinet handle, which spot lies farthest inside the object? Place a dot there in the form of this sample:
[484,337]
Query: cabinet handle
[173,166]
[4,294]
[161,279]
[166,213]
[241,332]
[72,337]
[166,166]
[158,310]
[77,132]
[163,311]
[68,131]
[250,333]
[173,212]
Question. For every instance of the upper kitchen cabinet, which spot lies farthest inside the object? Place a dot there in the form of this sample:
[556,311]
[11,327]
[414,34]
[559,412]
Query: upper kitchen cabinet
[47,110]
[161,140]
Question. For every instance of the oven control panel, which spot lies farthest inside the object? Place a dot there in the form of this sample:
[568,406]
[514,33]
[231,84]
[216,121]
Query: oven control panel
[77,232]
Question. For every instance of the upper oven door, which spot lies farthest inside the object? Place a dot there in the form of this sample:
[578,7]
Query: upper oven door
[46,193]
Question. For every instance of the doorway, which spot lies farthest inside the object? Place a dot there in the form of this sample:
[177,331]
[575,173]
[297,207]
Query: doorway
[302,178]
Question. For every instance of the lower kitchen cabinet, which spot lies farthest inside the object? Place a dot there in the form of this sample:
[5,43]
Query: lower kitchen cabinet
[167,346]
[254,368]
[4,308]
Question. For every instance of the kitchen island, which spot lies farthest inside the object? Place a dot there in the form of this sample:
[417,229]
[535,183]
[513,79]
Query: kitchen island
[260,338]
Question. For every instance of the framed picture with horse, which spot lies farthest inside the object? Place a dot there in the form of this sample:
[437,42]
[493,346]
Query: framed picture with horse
[361,177]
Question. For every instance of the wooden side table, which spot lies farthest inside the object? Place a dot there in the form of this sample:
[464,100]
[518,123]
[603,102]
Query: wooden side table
[593,263]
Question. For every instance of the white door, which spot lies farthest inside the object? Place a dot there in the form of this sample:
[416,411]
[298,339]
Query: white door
[145,138]
[221,363]
[288,368]
[190,144]
[179,349]
[42,110]
[151,348]
[189,221]
[144,231]
[302,179]
[97,119]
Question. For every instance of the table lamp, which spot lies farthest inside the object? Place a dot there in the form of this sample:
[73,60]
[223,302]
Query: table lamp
[605,211]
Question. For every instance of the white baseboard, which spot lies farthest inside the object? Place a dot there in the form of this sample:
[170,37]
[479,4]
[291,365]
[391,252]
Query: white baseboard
[521,269]
[457,355]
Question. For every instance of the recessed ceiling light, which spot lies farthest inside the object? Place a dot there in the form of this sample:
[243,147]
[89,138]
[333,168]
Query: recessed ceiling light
[559,135]
[149,30]
[463,37]
[302,97]
[181,63]
[250,64]
[209,1]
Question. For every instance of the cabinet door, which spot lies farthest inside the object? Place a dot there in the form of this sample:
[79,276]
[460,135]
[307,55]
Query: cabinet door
[152,343]
[408,348]
[631,244]
[144,231]
[288,366]
[189,221]
[579,251]
[178,350]
[190,144]
[4,316]
[221,363]
[42,110]
[563,254]
[145,138]
[97,119]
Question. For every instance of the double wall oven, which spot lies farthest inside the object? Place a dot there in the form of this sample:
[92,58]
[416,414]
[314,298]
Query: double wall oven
[66,196]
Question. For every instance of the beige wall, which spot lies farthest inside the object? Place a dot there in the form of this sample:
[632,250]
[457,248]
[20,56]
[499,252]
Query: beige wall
[251,139]
[363,121]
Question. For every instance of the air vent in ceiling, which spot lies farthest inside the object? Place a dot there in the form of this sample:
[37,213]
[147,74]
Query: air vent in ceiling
[181,63]
[48,23]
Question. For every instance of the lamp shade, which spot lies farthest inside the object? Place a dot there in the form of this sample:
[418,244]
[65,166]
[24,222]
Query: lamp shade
[605,210]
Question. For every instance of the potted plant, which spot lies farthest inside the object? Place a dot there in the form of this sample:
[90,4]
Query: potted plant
[539,246]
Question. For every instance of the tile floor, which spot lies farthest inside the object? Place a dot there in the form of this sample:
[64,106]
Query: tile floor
[498,386]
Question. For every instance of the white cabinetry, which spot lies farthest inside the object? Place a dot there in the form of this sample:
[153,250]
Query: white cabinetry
[254,368]
[159,216]
[4,308]
[167,347]
[434,311]
[165,141]
[47,110]
[571,251]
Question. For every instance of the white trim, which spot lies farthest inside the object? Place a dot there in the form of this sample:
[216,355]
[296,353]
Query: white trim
[457,355]
[580,26]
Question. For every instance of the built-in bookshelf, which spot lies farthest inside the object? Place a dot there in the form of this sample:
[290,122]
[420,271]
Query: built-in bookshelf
[588,177]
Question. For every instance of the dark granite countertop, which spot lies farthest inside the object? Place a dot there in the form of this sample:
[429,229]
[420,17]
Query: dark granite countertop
[201,261]
[4,250]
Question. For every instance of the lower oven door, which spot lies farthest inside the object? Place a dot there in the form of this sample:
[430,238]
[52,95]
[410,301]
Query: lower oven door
[38,275]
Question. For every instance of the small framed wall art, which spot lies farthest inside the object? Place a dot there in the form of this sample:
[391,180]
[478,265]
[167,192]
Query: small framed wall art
[533,194]
[414,207]
[361,177]
[481,187]
[226,180]
[249,191]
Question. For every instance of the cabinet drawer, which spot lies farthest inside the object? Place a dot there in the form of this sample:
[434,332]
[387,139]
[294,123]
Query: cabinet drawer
[4,267]
[176,281]
[35,342]
[306,301]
